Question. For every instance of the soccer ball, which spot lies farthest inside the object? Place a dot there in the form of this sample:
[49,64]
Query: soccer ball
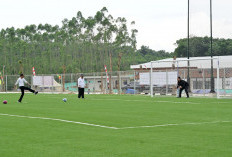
[4,102]
[65,100]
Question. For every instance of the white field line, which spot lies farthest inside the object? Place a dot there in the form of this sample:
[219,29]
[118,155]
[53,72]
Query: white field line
[174,102]
[55,97]
[115,128]
[61,120]
[181,124]
[160,101]
[221,102]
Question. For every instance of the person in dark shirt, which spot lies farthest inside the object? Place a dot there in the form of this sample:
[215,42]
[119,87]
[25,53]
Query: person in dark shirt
[182,85]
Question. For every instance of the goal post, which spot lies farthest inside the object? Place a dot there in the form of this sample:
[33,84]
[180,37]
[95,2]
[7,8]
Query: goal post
[164,73]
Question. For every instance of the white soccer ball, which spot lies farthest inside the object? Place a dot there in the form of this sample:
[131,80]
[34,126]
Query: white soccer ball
[65,100]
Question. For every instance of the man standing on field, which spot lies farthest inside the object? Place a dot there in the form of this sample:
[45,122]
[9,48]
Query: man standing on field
[81,87]
[21,82]
[182,85]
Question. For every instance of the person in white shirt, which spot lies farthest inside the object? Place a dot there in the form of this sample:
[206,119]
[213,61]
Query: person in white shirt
[21,81]
[81,87]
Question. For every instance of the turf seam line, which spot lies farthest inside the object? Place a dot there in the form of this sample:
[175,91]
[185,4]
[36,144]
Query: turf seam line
[61,120]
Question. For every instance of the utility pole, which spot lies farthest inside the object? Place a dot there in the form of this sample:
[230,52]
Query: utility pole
[188,49]
[211,47]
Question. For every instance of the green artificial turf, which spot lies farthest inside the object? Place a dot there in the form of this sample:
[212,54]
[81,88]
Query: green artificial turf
[34,137]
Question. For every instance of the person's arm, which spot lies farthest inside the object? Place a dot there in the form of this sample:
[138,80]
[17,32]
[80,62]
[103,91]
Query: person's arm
[78,82]
[183,84]
[179,85]
[25,81]
[16,83]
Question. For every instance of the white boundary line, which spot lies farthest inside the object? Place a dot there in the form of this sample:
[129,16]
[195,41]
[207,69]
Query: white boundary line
[61,120]
[159,101]
[115,128]
[174,102]
[182,124]
[221,102]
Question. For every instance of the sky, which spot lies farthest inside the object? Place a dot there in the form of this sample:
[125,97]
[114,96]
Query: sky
[159,22]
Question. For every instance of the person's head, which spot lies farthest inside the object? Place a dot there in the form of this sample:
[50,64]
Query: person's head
[178,79]
[21,75]
[82,76]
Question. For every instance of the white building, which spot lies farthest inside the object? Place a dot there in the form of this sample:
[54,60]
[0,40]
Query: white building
[199,62]
[199,73]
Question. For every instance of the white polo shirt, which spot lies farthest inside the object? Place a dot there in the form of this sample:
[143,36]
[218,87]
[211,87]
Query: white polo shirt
[81,83]
[21,82]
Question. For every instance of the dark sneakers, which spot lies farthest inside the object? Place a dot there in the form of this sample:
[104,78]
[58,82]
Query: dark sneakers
[36,92]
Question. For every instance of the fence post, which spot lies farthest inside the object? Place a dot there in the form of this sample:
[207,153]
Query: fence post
[151,83]
[71,78]
[94,84]
[184,74]
[218,76]
[53,79]
[203,73]
[224,82]
[166,82]
[32,83]
[106,84]
[134,83]
[6,83]
[120,82]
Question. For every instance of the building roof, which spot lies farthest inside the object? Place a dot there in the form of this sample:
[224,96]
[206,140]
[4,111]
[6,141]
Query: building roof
[195,62]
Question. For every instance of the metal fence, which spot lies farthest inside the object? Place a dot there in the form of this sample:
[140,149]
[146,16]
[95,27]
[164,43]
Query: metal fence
[206,76]
[123,82]
[129,82]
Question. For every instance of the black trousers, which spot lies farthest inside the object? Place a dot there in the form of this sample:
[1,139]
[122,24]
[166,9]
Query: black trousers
[186,91]
[22,92]
[81,92]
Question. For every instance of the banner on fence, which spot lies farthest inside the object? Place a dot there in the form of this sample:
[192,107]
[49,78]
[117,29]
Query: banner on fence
[158,78]
[46,81]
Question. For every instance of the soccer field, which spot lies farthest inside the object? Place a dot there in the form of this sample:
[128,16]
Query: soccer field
[115,126]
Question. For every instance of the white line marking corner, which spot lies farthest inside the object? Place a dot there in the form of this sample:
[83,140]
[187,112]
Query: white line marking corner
[114,128]
[61,120]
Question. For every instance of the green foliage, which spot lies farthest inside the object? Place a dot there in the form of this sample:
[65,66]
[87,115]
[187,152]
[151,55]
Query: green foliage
[200,46]
[81,44]
[154,55]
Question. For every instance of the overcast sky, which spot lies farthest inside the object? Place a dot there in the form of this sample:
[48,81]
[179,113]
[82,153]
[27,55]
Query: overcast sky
[160,22]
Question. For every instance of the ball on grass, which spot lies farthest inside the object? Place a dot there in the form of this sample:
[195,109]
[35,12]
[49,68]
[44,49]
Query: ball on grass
[65,100]
[4,102]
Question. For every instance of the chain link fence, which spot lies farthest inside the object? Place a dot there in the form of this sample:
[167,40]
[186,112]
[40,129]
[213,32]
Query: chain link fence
[130,82]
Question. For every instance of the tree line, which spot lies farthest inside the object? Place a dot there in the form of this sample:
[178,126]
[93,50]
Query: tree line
[200,46]
[85,44]
[81,44]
